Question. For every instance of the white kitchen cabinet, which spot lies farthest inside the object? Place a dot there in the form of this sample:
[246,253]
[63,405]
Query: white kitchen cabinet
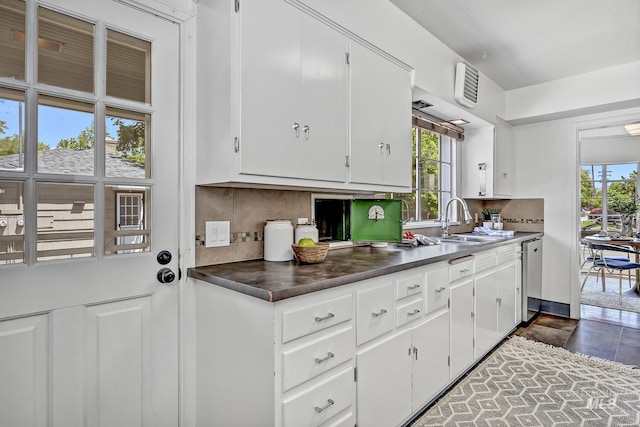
[274,99]
[462,326]
[380,120]
[495,305]
[398,375]
[384,381]
[372,352]
[431,359]
[293,94]
[261,363]
[487,162]
[375,310]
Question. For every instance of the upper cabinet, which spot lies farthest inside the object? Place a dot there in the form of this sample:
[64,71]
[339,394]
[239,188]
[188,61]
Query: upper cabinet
[487,162]
[293,94]
[380,120]
[277,87]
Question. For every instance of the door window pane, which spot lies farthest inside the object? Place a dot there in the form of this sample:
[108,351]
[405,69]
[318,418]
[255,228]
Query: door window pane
[126,144]
[128,67]
[11,222]
[11,129]
[65,221]
[126,219]
[66,132]
[65,51]
[12,39]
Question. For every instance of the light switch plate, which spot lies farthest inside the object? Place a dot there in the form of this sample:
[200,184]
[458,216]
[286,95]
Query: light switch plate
[217,233]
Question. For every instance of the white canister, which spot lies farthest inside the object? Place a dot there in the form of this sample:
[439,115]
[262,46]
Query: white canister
[278,238]
[306,230]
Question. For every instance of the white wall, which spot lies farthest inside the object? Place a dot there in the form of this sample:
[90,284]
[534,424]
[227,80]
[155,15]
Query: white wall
[546,166]
[610,89]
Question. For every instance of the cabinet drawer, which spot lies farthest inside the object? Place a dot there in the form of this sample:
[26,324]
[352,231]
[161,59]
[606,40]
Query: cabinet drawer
[485,262]
[409,312]
[506,254]
[437,289]
[316,317]
[374,312]
[318,404]
[305,362]
[409,286]
[460,269]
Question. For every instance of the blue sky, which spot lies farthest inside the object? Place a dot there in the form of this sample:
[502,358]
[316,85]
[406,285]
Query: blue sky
[54,123]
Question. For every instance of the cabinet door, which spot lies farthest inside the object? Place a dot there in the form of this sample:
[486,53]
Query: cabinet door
[384,382]
[269,87]
[476,149]
[324,132]
[380,120]
[462,323]
[486,312]
[503,145]
[431,359]
[507,302]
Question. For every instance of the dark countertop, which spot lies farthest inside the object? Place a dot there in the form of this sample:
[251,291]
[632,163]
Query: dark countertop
[274,281]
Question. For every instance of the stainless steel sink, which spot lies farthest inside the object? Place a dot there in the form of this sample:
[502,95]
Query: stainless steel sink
[471,238]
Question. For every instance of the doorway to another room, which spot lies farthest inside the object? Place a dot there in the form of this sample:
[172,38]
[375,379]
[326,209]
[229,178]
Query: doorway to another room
[608,188]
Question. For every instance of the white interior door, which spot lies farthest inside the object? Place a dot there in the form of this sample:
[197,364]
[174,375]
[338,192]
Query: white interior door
[88,334]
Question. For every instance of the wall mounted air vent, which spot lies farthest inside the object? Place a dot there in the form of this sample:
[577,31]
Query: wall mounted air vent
[466,85]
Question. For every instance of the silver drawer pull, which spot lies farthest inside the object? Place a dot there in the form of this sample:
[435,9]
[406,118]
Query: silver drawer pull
[499,301]
[441,289]
[416,286]
[324,359]
[329,403]
[413,313]
[464,270]
[380,313]
[328,316]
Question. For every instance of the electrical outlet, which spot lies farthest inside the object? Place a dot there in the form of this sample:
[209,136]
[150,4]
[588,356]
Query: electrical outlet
[217,234]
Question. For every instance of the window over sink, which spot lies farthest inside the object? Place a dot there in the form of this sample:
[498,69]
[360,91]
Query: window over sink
[433,176]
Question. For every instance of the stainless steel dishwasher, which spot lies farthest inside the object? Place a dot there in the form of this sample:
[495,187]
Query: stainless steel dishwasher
[531,278]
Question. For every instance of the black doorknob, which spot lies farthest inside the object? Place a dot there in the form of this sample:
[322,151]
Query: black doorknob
[164,257]
[165,275]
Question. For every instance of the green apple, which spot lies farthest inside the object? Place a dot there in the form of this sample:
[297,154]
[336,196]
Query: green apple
[306,241]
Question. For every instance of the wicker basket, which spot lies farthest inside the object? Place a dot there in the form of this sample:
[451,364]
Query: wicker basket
[310,254]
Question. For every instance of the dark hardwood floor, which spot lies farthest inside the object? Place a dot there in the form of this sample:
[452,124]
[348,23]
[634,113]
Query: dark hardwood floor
[601,332]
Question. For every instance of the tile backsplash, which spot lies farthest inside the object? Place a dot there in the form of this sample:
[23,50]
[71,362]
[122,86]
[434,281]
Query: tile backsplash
[248,208]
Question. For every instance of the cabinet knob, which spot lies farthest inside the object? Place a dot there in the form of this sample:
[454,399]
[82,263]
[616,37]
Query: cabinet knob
[296,127]
[440,289]
[305,129]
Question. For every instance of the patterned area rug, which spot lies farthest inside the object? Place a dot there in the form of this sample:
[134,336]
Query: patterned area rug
[527,383]
[592,295]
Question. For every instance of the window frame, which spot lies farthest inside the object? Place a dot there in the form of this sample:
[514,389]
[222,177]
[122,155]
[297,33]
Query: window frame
[443,196]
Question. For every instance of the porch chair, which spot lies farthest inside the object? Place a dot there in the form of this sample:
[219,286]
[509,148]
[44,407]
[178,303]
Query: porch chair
[590,255]
[601,263]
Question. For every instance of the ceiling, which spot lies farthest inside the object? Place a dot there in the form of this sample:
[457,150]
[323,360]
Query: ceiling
[519,43]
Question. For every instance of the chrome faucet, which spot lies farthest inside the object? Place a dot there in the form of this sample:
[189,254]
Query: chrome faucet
[465,209]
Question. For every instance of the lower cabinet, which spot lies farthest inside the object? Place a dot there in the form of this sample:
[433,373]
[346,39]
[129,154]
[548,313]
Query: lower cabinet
[495,307]
[398,375]
[462,326]
[371,353]
[383,386]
